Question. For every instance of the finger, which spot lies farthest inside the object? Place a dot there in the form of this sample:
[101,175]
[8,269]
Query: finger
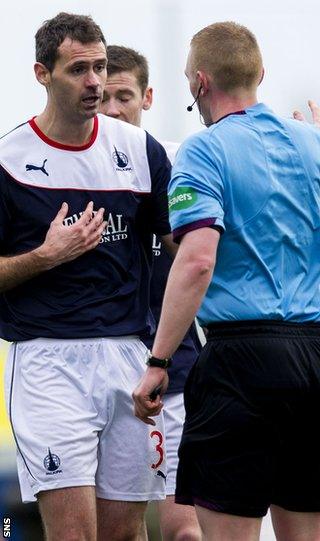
[315,110]
[149,410]
[62,213]
[156,392]
[86,216]
[101,228]
[298,116]
[145,419]
[156,403]
[147,404]
[96,221]
[96,233]
[143,414]
[148,421]
[96,236]
[154,413]
[312,104]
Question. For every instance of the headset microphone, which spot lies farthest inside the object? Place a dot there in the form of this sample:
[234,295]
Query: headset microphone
[190,107]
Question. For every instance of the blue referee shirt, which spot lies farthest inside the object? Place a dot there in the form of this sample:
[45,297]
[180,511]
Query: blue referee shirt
[256,177]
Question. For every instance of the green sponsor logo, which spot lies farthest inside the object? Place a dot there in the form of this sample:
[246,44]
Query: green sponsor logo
[182,198]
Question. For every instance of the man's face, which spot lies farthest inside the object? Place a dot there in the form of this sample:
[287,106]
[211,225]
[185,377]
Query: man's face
[75,85]
[123,98]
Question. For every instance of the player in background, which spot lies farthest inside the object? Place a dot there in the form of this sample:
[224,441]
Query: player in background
[78,192]
[127,94]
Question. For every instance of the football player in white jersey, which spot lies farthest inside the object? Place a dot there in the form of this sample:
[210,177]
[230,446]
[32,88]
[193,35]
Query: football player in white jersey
[127,93]
[74,294]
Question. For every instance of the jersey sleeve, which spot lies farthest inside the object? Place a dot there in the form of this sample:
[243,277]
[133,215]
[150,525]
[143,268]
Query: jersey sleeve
[196,188]
[160,171]
[4,212]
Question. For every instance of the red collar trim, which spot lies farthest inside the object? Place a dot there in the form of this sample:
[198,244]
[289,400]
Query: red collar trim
[55,144]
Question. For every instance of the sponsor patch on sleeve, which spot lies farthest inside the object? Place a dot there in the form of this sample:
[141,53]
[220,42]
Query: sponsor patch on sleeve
[182,198]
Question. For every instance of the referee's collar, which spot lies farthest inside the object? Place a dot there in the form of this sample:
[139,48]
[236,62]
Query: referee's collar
[257,108]
[242,112]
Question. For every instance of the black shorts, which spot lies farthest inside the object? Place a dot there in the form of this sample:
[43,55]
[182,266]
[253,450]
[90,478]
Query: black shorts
[251,435]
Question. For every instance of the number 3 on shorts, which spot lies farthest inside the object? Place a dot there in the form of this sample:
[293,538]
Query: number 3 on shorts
[159,449]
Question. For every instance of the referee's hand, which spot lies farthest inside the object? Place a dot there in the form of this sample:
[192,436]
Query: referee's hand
[148,393]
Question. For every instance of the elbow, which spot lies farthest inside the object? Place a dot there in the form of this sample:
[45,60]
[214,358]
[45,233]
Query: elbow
[205,267]
[201,268]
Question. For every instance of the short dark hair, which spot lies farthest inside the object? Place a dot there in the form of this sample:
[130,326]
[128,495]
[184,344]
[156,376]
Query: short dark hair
[125,59]
[53,32]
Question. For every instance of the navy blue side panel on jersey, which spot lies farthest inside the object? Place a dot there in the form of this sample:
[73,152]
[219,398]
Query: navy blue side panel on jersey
[159,166]
[104,292]
[190,347]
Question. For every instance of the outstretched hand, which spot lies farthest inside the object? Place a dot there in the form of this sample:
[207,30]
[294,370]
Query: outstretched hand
[315,111]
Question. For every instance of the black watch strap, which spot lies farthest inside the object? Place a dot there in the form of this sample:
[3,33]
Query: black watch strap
[160,363]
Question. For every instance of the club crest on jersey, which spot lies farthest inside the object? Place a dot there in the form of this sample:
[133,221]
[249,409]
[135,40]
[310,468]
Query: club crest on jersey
[31,167]
[121,159]
[52,463]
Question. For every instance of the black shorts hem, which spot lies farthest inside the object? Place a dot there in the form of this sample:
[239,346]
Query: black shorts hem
[298,507]
[184,500]
[224,507]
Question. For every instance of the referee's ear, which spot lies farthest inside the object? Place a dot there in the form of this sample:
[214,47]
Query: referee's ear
[261,76]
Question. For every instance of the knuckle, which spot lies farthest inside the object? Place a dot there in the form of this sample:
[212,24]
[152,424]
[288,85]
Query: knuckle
[83,234]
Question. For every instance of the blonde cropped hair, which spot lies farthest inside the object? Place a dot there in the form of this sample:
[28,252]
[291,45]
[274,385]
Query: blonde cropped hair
[230,53]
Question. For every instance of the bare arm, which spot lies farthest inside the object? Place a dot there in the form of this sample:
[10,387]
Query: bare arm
[188,281]
[62,244]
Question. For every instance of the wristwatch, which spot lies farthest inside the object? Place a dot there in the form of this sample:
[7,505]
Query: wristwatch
[155,361]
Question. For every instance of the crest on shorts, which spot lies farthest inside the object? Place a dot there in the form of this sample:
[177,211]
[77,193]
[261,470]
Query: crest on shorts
[52,463]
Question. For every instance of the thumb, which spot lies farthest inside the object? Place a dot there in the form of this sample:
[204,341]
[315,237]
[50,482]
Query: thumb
[298,116]
[62,213]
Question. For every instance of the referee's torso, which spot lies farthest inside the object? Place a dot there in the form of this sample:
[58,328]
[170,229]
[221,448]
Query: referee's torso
[257,177]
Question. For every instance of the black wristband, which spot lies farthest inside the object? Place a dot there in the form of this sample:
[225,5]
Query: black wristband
[159,363]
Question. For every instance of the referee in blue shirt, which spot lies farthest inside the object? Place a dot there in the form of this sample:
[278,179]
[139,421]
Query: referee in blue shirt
[244,202]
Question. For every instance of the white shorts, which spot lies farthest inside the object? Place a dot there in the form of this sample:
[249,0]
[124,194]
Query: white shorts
[174,414]
[71,411]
